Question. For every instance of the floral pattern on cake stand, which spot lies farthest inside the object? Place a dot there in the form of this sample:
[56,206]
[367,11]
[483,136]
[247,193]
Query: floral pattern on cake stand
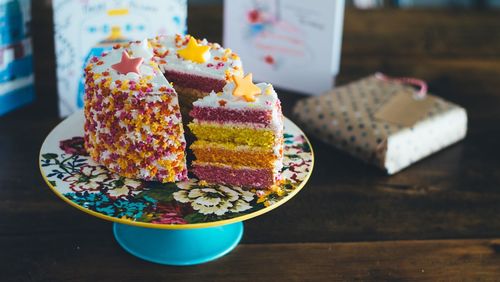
[78,180]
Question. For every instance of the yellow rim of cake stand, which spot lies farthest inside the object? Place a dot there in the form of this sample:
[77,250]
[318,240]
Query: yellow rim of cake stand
[189,225]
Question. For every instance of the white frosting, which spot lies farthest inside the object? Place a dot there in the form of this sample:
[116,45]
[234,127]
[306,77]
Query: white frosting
[154,65]
[267,101]
[148,67]
[142,49]
[264,101]
[214,67]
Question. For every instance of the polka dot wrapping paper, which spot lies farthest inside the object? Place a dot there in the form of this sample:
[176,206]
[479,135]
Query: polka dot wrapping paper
[345,118]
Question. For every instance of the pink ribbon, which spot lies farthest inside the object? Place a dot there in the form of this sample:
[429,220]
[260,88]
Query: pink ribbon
[406,80]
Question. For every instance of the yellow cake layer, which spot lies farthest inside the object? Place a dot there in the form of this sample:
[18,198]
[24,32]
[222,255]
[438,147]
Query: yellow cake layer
[233,134]
[232,154]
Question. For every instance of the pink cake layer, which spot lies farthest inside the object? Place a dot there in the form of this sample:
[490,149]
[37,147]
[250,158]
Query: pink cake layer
[202,83]
[261,178]
[231,115]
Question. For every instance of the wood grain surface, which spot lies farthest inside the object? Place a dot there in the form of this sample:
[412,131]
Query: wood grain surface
[351,222]
[97,257]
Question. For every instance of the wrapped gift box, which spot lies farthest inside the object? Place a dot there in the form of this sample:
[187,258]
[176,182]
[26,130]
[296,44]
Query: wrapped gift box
[348,118]
[87,28]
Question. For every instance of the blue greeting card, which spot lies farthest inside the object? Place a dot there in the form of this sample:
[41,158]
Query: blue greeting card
[16,67]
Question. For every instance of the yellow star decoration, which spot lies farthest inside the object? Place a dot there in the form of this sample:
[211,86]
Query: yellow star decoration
[194,52]
[245,88]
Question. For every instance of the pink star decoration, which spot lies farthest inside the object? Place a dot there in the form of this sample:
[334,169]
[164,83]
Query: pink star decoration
[128,64]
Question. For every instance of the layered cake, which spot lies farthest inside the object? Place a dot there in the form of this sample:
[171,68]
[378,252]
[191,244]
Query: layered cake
[195,67]
[135,98]
[239,134]
[133,117]
[133,124]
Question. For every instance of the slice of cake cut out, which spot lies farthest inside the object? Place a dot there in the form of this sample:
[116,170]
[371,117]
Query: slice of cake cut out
[239,134]
[133,124]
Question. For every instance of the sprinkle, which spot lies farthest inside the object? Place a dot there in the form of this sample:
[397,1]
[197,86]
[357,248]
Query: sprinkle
[260,193]
[245,88]
[269,90]
[194,51]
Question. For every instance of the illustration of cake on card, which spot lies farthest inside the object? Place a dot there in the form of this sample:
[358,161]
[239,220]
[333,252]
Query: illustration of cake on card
[138,94]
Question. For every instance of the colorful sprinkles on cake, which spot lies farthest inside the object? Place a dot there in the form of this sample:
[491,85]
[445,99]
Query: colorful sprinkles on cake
[239,135]
[133,123]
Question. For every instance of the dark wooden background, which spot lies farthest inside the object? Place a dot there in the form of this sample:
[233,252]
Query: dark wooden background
[436,220]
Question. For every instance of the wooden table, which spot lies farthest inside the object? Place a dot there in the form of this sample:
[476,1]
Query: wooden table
[436,220]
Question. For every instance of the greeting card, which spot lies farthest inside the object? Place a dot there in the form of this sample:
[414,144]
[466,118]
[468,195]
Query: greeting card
[293,44]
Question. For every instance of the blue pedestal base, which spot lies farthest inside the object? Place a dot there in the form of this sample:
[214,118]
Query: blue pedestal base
[178,247]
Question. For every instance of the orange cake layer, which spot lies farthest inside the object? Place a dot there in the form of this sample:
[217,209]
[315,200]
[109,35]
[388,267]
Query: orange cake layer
[232,154]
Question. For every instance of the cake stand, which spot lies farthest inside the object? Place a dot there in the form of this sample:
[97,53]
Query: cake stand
[181,223]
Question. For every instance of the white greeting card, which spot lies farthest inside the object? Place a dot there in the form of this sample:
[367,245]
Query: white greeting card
[84,28]
[293,44]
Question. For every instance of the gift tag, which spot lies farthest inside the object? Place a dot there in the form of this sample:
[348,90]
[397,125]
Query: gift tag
[404,109]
